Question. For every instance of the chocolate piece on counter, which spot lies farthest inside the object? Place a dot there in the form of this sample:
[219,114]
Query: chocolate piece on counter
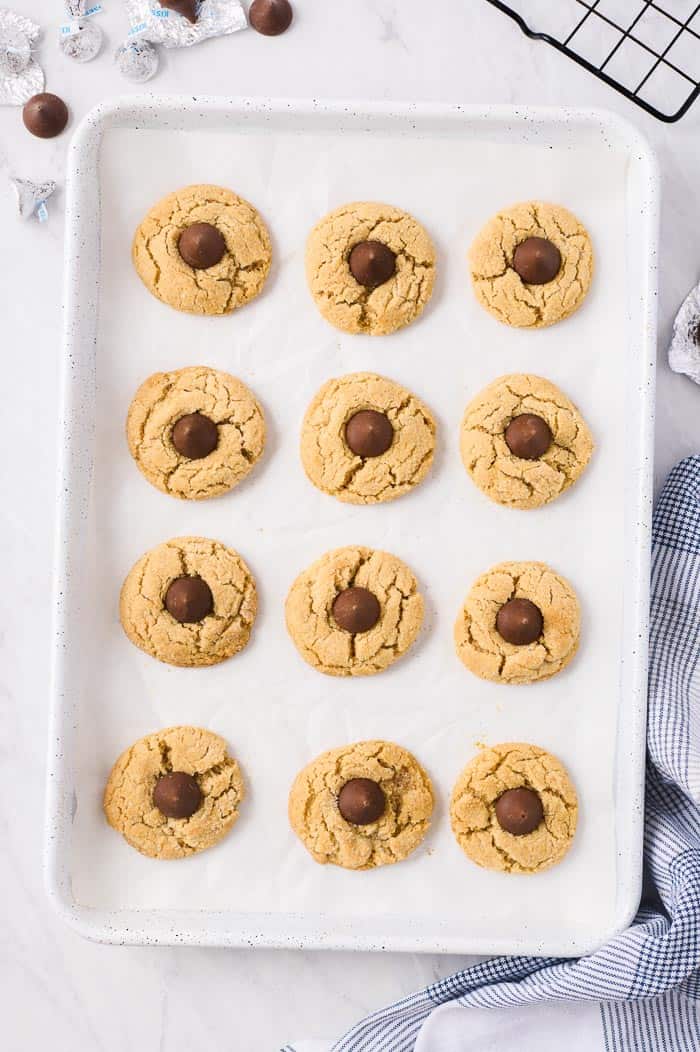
[186,8]
[356,609]
[519,811]
[519,622]
[537,260]
[45,115]
[189,599]
[270,17]
[372,263]
[177,795]
[369,433]
[201,246]
[361,801]
[528,436]
[195,436]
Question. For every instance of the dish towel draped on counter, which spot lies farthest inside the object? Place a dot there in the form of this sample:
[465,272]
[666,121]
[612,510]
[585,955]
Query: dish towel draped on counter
[641,991]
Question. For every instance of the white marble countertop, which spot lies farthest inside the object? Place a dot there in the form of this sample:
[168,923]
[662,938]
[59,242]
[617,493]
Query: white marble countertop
[57,989]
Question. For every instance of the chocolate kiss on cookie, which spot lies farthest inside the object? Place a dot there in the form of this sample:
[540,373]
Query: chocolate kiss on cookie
[537,260]
[201,245]
[519,811]
[356,609]
[195,436]
[519,622]
[189,599]
[369,433]
[177,795]
[361,801]
[528,436]
[372,263]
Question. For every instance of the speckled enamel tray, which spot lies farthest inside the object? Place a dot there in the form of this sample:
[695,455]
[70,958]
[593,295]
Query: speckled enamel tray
[452,167]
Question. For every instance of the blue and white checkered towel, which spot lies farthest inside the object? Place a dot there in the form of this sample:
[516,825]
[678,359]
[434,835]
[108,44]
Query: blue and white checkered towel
[640,992]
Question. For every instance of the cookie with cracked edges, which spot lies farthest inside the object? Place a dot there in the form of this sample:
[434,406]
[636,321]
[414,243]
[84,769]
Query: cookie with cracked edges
[189,630]
[483,649]
[375,622]
[241,264]
[402,292]
[520,479]
[181,459]
[201,759]
[366,475]
[382,823]
[508,768]
[508,295]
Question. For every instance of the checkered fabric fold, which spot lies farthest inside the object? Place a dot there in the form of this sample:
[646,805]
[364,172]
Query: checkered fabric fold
[647,979]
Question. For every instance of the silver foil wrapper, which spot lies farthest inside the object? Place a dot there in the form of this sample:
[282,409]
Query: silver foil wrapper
[20,76]
[15,52]
[684,352]
[32,197]
[83,42]
[81,38]
[163,26]
[137,60]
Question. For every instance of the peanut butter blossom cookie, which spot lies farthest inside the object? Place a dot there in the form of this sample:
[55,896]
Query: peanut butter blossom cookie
[174,793]
[514,809]
[532,265]
[523,442]
[195,432]
[520,623]
[370,268]
[189,602]
[203,250]
[361,806]
[354,612]
[366,439]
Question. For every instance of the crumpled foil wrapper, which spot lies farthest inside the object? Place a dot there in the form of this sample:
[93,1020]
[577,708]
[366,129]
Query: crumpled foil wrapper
[81,38]
[160,25]
[17,87]
[684,352]
[84,43]
[32,197]
[137,60]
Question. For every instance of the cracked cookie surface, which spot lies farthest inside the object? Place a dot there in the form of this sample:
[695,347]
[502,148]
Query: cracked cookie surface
[333,467]
[237,278]
[506,478]
[498,286]
[343,301]
[487,654]
[323,643]
[163,399]
[128,797]
[220,634]
[329,838]
[513,765]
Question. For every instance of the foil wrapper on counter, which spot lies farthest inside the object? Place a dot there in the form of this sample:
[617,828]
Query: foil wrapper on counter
[137,60]
[20,76]
[684,352]
[163,26]
[32,197]
[81,38]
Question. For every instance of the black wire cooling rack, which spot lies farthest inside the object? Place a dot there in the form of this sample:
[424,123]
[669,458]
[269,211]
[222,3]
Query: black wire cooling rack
[648,51]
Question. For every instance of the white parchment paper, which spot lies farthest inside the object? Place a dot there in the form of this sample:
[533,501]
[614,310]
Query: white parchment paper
[275,711]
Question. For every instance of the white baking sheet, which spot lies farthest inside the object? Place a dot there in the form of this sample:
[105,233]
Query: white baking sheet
[275,711]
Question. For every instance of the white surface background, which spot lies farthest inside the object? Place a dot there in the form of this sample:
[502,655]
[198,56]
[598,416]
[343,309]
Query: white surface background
[56,988]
